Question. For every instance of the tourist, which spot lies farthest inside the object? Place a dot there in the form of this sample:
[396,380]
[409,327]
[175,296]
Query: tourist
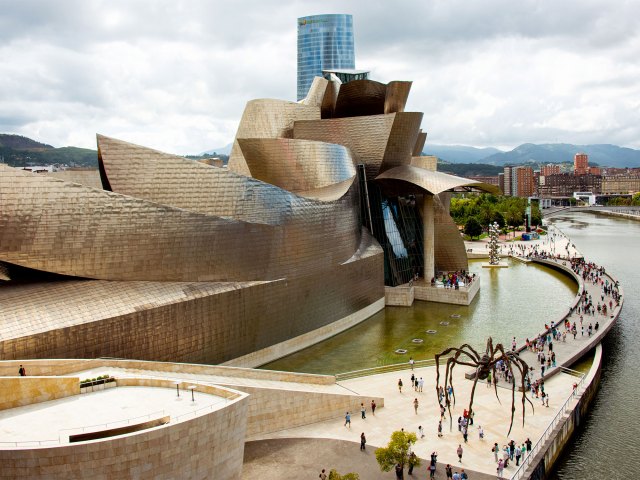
[363,441]
[500,469]
[373,407]
[421,381]
[459,452]
[489,380]
[400,385]
[413,459]
[449,471]
[495,451]
[411,362]
[528,444]
[439,428]
[22,372]
[362,411]
[415,384]
[456,475]
[415,405]
[517,455]
[347,420]
[399,471]
[463,475]
[464,433]
[420,431]
[442,412]
[480,432]
[322,476]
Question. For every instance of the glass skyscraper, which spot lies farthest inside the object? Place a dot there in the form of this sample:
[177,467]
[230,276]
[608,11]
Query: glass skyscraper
[325,42]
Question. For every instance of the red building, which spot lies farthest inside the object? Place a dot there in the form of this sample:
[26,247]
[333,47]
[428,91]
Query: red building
[581,164]
[549,169]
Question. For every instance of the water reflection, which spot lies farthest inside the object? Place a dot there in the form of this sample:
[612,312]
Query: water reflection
[516,301]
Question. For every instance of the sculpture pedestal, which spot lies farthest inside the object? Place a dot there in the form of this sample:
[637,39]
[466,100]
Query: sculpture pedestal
[495,265]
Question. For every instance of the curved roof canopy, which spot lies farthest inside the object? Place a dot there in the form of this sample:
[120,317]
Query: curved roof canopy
[406,179]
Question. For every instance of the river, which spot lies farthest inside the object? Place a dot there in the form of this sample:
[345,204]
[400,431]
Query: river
[604,446]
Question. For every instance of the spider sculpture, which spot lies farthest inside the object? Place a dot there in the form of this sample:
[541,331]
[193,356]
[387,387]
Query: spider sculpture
[484,364]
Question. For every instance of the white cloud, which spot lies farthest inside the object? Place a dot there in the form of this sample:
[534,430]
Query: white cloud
[176,75]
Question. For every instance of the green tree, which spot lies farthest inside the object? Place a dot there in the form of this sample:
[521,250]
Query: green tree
[397,451]
[498,218]
[334,475]
[473,228]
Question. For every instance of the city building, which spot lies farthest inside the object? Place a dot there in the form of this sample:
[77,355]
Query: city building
[325,42]
[325,204]
[518,181]
[565,184]
[621,184]
[580,164]
[549,169]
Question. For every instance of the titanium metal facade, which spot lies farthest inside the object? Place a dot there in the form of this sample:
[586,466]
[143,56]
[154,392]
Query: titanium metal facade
[177,260]
[325,42]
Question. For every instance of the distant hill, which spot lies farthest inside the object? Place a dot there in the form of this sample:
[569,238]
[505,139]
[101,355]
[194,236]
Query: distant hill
[469,169]
[603,154]
[459,153]
[18,151]
[18,142]
[226,150]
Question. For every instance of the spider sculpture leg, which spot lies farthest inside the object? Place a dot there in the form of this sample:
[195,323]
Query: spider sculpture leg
[506,358]
[493,361]
[522,367]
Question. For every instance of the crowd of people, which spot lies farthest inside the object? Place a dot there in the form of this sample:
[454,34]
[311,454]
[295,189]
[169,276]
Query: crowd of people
[454,279]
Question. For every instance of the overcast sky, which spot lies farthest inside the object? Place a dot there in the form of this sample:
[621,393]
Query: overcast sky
[175,75]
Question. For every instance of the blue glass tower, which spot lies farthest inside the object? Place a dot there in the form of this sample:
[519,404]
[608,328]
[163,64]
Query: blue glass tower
[325,42]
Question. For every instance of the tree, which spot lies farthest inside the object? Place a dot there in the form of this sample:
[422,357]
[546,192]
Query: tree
[498,218]
[473,227]
[334,475]
[397,451]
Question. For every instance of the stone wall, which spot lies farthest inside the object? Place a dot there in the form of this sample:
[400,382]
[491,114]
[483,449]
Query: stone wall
[208,446]
[20,391]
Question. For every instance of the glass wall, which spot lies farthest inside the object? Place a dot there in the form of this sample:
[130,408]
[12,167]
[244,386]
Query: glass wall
[324,42]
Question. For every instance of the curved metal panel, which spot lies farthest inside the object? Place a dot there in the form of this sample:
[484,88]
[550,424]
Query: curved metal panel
[360,98]
[396,96]
[268,118]
[65,228]
[419,146]
[450,254]
[430,181]
[299,166]
[316,93]
[404,133]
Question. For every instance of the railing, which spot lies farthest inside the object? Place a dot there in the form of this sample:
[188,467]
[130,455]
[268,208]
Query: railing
[576,394]
[394,367]
[30,443]
[195,413]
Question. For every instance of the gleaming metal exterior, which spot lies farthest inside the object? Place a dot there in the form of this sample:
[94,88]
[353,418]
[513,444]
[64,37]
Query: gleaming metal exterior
[325,42]
[178,260]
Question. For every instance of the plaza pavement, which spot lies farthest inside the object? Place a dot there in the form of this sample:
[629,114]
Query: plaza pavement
[478,460]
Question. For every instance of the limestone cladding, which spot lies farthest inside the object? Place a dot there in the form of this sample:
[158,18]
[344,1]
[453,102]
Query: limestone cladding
[208,446]
[19,391]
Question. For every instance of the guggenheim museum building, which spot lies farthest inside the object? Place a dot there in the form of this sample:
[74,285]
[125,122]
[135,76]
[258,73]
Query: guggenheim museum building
[324,203]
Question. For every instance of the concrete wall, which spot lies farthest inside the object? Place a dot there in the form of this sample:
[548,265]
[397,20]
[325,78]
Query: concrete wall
[19,391]
[463,296]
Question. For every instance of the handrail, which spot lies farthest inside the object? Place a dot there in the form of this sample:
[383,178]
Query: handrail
[195,413]
[106,426]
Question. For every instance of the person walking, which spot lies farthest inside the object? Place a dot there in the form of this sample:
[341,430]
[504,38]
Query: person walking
[415,405]
[495,451]
[363,411]
[400,385]
[347,420]
[459,452]
[500,469]
[420,384]
[363,441]
[411,362]
[420,431]
[322,476]
[373,407]
[22,372]
[518,454]
[439,428]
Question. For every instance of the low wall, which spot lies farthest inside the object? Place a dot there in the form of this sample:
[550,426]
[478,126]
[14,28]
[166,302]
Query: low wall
[20,391]
[462,296]
[272,410]
[282,349]
[208,446]
[66,366]
[401,296]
